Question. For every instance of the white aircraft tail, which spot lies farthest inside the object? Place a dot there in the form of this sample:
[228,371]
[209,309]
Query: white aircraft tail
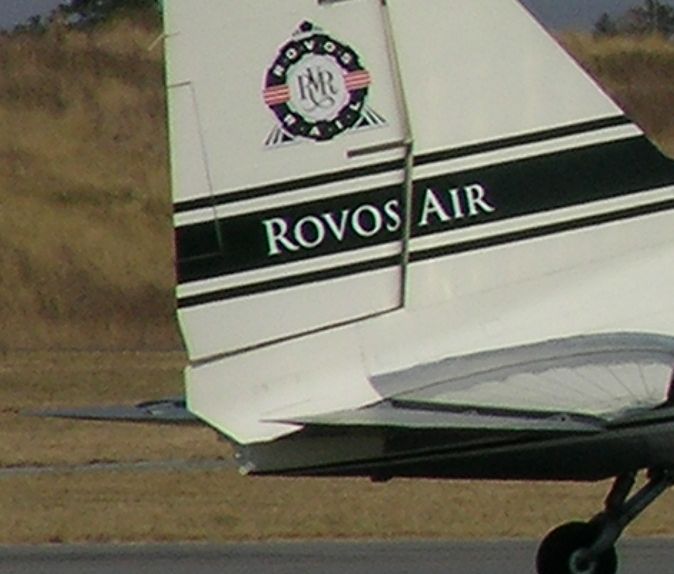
[365,186]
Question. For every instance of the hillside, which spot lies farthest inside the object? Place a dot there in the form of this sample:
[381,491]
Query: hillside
[637,73]
[86,250]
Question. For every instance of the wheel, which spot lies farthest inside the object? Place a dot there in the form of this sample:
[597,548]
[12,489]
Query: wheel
[559,552]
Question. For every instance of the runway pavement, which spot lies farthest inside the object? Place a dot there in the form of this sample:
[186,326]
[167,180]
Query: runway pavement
[504,557]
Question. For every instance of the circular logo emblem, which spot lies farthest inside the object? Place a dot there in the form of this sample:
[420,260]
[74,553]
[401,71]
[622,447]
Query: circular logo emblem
[317,86]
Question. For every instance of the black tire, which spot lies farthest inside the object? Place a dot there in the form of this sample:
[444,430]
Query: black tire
[555,554]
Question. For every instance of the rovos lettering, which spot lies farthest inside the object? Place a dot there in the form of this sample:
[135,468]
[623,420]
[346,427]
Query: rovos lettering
[368,221]
[310,232]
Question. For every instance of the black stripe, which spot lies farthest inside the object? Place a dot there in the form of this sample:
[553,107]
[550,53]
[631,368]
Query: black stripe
[555,181]
[542,231]
[524,139]
[344,175]
[514,189]
[444,251]
[285,186]
[240,243]
[286,282]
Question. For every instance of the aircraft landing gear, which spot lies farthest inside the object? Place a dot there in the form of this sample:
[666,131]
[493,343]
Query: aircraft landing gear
[563,551]
[589,547]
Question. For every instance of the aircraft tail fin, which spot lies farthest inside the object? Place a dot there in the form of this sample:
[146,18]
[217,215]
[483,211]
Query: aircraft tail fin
[363,186]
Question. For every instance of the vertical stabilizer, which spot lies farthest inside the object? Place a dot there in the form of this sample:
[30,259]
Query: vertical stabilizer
[362,187]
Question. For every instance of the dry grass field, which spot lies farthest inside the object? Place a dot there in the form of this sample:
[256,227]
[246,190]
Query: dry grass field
[222,506]
[67,505]
[87,272]
[637,73]
[200,505]
[86,249]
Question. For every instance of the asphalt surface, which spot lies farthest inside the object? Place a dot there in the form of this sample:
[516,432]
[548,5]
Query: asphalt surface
[637,556]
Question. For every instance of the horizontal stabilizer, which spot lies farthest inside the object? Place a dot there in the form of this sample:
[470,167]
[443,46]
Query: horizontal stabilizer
[572,385]
[604,376]
[392,415]
[166,411]
[572,389]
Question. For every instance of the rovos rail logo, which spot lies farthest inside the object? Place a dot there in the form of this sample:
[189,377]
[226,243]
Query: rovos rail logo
[317,88]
